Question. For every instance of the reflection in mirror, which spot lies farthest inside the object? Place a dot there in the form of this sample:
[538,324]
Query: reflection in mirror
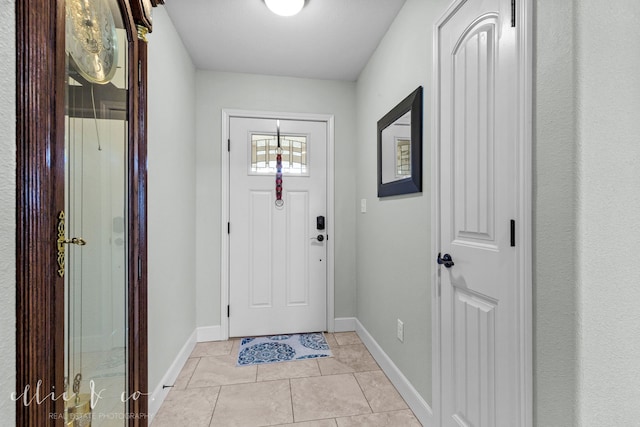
[400,148]
[403,156]
[396,150]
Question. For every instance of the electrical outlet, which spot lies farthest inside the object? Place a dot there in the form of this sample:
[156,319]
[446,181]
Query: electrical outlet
[400,332]
[363,205]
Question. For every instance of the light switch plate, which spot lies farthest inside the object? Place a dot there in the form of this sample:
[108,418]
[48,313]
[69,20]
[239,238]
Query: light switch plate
[363,205]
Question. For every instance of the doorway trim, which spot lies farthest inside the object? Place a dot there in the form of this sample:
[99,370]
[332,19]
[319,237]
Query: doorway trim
[227,114]
[524,203]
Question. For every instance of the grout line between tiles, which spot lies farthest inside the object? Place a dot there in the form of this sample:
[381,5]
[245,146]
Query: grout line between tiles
[214,405]
[192,372]
[363,393]
[293,412]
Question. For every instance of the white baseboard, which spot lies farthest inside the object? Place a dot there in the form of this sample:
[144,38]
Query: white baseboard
[209,333]
[160,393]
[345,324]
[417,404]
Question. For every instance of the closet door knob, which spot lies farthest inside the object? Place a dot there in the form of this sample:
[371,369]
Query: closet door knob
[446,260]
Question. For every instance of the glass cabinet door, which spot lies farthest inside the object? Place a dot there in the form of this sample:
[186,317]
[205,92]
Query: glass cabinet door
[96,170]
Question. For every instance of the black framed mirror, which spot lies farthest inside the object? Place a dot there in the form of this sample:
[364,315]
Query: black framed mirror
[400,148]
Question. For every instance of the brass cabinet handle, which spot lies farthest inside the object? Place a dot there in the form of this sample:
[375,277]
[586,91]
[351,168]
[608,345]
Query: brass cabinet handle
[61,241]
[75,241]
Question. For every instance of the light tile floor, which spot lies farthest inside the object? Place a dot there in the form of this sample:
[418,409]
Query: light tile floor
[346,390]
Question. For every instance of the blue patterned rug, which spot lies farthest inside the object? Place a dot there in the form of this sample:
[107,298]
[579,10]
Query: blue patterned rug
[282,348]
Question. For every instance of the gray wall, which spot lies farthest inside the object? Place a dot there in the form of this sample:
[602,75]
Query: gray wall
[267,93]
[172,293]
[607,82]
[7,211]
[555,286]
[394,236]
[587,333]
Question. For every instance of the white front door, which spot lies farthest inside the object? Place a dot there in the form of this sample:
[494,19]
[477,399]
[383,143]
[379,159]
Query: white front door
[478,104]
[277,254]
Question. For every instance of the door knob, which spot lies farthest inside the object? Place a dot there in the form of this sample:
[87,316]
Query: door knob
[446,260]
[319,238]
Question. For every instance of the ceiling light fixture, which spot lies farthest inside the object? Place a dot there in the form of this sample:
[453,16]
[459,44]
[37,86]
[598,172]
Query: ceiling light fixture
[285,7]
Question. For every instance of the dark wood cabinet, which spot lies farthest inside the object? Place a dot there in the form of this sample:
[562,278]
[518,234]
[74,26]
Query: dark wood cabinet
[40,103]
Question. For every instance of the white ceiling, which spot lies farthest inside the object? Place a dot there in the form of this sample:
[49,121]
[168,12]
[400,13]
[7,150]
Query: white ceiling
[329,39]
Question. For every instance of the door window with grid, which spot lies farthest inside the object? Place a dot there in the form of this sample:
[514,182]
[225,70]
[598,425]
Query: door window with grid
[264,148]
